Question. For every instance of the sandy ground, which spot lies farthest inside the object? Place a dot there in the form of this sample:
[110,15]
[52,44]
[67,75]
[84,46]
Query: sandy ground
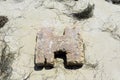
[101,35]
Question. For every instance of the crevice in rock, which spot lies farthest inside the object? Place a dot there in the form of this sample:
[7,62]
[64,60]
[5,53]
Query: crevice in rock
[28,76]
[3,21]
[86,13]
[113,1]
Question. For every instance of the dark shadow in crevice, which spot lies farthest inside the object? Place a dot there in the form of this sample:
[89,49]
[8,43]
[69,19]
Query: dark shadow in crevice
[3,21]
[113,1]
[85,14]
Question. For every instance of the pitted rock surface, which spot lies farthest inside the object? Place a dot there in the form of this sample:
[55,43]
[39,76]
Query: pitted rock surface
[48,43]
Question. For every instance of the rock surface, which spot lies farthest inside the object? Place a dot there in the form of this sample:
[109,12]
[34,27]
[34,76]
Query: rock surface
[100,34]
[48,45]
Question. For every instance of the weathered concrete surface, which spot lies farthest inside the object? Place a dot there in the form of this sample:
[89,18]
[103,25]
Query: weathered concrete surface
[47,44]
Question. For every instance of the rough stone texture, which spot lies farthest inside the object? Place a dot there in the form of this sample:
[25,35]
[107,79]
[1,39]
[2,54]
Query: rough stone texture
[48,43]
[100,34]
[6,59]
